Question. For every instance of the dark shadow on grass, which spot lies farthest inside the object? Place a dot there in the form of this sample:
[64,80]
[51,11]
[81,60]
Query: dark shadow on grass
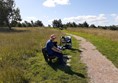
[65,69]
[6,30]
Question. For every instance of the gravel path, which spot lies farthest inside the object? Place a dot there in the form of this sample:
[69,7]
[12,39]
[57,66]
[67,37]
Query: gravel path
[99,68]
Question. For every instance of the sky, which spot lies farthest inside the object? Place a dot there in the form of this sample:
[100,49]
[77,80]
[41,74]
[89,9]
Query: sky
[98,12]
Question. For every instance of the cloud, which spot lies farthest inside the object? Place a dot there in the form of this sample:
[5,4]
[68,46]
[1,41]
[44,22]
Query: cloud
[116,19]
[53,3]
[92,19]
[113,15]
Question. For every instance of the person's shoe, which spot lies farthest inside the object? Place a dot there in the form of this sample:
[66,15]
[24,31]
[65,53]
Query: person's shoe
[68,60]
[65,57]
[69,56]
[68,64]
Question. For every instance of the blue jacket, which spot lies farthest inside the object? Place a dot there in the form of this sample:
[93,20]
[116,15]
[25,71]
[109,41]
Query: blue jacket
[49,46]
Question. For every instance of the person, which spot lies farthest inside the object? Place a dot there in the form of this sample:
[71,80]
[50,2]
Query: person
[53,50]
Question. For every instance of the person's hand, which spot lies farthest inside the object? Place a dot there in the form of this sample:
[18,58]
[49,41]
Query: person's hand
[60,51]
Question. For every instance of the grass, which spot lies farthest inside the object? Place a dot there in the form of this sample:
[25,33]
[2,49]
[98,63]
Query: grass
[106,41]
[21,60]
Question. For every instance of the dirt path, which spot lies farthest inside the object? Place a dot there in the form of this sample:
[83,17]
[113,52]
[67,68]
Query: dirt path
[99,68]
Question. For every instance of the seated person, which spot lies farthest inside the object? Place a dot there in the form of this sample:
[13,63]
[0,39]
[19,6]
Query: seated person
[52,50]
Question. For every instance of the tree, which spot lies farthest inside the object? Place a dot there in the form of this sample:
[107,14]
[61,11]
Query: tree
[74,24]
[80,25]
[28,24]
[32,23]
[38,23]
[92,26]
[85,24]
[69,24]
[8,12]
[19,24]
[49,25]
[14,23]
[57,23]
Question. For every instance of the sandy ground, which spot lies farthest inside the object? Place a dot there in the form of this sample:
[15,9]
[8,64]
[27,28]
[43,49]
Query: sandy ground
[99,68]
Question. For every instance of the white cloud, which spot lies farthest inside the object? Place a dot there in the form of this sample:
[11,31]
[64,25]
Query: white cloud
[92,19]
[49,3]
[116,19]
[113,15]
[62,2]
[53,3]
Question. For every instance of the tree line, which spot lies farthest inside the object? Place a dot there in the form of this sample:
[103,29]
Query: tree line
[32,23]
[58,24]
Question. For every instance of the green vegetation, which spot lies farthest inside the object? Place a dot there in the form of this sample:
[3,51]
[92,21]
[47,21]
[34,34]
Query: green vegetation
[21,60]
[106,41]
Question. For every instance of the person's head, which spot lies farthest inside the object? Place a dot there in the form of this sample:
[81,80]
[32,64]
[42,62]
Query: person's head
[53,37]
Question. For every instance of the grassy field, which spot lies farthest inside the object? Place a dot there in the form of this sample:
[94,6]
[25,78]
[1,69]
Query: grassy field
[21,60]
[106,41]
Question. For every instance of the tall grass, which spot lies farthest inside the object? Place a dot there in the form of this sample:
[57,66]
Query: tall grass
[106,41]
[112,35]
[21,60]
[15,47]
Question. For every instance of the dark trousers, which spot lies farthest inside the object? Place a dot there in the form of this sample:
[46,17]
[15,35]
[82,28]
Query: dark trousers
[60,57]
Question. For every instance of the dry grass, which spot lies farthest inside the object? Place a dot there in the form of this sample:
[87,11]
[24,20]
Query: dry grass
[112,35]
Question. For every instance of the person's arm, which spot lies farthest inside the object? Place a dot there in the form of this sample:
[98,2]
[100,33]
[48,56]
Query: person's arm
[56,49]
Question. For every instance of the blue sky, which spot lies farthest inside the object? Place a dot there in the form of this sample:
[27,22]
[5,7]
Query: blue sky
[98,12]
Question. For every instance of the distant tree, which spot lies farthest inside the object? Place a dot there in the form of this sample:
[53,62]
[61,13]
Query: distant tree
[60,23]
[85,24]
[32,23]
[100,27]
[28,24]
[92,26]
[38,23]
[57,23]
[69,24]
[65,26]
[13,23]
[74,24]
[113,27]
[8,12]
[80,25]
[24,25]
[19,24]
[49,25]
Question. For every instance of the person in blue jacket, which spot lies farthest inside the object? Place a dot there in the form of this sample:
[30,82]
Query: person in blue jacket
[52,50]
